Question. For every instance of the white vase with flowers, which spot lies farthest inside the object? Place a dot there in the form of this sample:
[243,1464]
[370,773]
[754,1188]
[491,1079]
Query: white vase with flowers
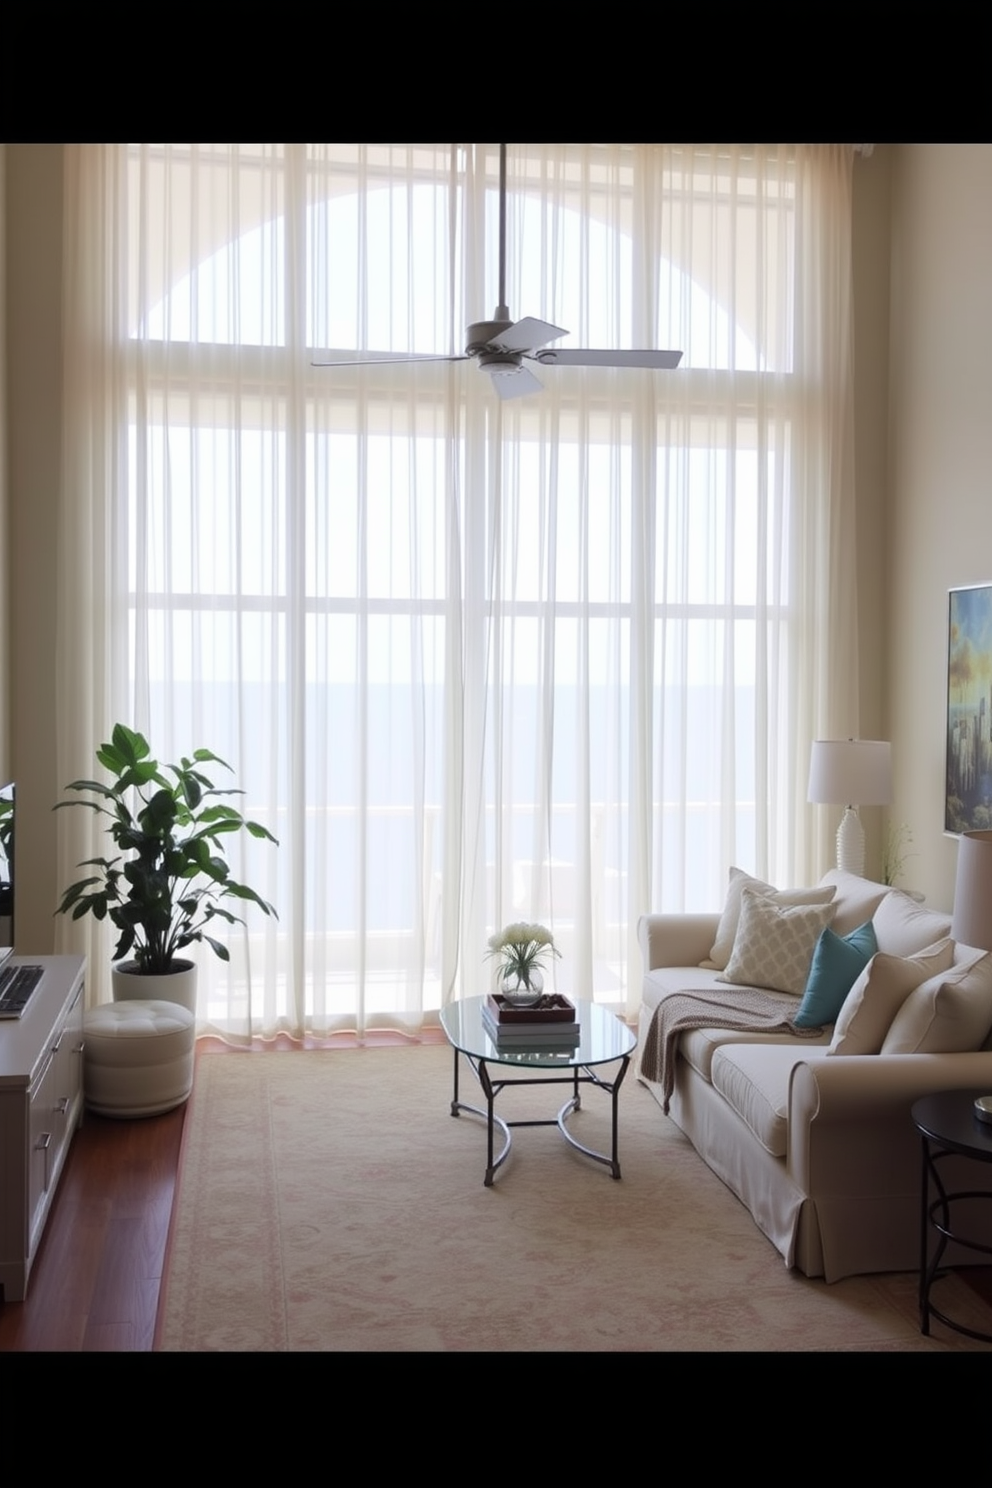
[520,949]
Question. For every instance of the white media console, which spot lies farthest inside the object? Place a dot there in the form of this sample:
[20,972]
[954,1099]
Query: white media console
[41,1103]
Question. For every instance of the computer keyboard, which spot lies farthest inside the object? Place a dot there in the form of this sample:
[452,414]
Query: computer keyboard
[16,985]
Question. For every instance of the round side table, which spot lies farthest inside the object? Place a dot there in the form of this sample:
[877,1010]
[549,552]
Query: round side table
[948,1126]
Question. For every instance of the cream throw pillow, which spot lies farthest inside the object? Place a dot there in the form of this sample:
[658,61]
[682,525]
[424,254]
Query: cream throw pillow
[726,933]
[775,942]
[950,1013]
[904,928]
[857,900]
[879,993]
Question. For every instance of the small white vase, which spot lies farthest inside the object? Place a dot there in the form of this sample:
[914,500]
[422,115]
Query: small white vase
[174,986]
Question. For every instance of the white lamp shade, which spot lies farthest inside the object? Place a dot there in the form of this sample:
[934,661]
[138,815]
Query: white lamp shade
[972,921]
[850,772]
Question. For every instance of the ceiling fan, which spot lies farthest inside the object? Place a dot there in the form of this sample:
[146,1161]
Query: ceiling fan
[501,346]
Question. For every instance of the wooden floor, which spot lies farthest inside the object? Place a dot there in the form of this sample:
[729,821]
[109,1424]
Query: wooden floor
[95,1282]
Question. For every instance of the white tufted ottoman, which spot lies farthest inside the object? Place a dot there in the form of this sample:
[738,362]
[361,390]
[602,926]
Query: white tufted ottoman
[137,1057]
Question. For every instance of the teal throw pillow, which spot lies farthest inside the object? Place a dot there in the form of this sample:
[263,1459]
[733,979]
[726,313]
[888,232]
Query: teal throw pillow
[837,963]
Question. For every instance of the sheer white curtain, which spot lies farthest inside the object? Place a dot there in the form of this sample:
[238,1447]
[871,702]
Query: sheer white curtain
[558,658]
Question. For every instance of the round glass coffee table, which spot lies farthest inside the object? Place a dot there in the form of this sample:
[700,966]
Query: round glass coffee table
[602,1039]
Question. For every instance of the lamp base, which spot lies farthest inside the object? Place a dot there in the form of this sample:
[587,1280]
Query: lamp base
[851,843]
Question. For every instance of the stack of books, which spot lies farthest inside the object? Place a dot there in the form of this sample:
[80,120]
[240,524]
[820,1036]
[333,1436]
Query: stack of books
[550,1024]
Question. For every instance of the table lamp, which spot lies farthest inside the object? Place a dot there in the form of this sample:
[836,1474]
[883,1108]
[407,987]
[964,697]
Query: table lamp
[972,920]
[850,773]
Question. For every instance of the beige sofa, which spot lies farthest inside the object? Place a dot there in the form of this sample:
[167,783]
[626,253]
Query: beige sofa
[817,1143]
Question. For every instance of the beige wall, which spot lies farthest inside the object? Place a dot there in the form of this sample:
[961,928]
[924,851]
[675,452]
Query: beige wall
[940,463]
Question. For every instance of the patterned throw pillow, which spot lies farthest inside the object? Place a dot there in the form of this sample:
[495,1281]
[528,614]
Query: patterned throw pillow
[726,933]
[879,993]
[838,961]
[775,943]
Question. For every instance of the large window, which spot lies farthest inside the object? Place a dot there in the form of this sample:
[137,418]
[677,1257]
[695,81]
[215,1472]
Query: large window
[474,661]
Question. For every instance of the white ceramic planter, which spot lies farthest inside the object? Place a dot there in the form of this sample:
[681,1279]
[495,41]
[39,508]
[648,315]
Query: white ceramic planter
[177,986]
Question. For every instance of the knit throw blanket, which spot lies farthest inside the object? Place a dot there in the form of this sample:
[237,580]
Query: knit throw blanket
[742,1008]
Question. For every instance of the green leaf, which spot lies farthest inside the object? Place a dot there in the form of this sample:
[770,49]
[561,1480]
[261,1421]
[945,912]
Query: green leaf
[220,813]
[73,892]
[158,817]
[207,756]
[215,912]
[192,790]
[130,745]
[215,829]
[257,830]
[124,944]
[89,785]
[135,776]
[241,891]
[112,759]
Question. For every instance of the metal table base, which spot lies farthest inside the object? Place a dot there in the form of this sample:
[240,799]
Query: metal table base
[579,1075]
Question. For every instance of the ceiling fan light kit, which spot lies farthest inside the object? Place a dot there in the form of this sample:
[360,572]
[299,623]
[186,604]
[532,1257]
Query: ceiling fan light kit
[500,346]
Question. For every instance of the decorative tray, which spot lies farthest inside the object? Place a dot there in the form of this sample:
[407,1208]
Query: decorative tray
[552,1007]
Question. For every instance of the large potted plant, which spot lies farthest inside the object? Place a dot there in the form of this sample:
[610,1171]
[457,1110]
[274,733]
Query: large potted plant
[165,886]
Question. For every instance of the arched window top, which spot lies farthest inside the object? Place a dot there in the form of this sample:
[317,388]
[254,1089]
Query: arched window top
[393,268]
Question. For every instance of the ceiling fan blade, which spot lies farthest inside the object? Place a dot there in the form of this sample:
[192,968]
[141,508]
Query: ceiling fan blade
[371,358]
[527,335]
[514,382]
[590,358]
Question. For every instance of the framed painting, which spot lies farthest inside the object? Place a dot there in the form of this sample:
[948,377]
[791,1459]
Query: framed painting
[968,776]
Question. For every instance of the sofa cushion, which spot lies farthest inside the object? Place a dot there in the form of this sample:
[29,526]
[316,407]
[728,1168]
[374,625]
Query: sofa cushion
[904,927]
[726,933]
[664,980]
[880,992]
[775,942]
[949,1013]
[697,1046]
[838,961]
[754,1080]
[855,899]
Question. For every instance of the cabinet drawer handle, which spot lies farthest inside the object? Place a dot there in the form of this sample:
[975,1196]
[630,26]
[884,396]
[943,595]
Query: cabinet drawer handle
[43,1144]
[61,1106]
[58,1042]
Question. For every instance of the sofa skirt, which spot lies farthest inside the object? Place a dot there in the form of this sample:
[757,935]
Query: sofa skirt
[778,1207]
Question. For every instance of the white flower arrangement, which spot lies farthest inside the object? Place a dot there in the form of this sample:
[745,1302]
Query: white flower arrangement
[520,947]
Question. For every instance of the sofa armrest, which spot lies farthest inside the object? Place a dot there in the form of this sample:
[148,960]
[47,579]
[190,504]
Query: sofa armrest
[676,939]
[871,1086]
[856,1155]
[849,1106]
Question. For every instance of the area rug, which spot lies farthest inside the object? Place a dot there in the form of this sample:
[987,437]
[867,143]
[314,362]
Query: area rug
[328,1200]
